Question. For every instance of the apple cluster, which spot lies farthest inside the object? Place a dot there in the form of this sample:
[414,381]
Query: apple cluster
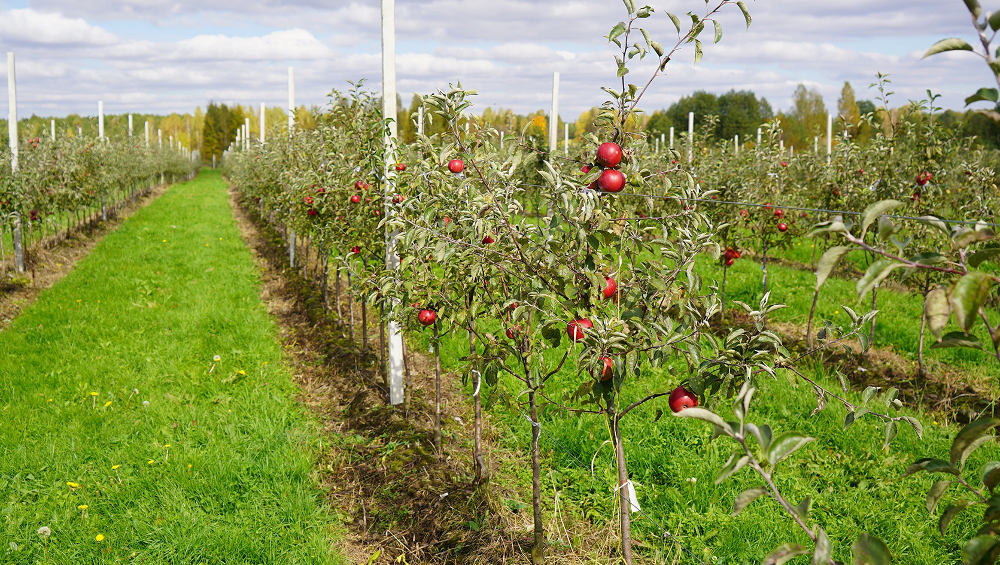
[609,156]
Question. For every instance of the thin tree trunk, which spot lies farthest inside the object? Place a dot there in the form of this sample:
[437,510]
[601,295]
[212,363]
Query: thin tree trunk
[624,501]
[350,304]
[538,546]
[812,312]
[381,345]
[437,391]
[722,292]
[921,369]
[326,278]
[336,294]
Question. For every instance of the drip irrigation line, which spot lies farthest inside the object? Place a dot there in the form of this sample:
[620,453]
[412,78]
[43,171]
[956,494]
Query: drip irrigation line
[782,206]
[567,451]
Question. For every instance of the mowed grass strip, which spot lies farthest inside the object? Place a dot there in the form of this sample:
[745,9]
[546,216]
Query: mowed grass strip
[121,434]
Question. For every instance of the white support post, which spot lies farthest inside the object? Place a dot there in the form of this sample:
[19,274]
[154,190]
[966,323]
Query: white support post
[420,119]
[829,138]
[816,145]
[263,124]
[395,364]
[13,137]
[781,147]
[100,120]
[501,140]
[291,100]
[147,134]
[736,144]
[690,137]
[159,138]
[566,140]
[656,144]
[246,130]
[554,116]
[52,127]
[758,137]
[130,125]
[663,139]
[671,137]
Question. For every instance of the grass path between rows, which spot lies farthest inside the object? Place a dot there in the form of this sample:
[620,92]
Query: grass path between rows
[123,438]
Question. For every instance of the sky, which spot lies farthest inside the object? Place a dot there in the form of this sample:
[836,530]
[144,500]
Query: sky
[162,56]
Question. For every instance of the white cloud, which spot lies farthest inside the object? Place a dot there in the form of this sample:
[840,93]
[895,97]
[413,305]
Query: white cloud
[29,27]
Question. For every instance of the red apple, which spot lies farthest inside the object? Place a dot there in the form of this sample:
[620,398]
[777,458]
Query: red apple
[782,227]
[356,249]
[682,398]
[398,199]
[359,184]
[611,180]
[784,164]
[427,316]
[608,371]
[575,328]
[779,213]
[609,155]
[585,169]
[355,199]
[513,331]
[400,167]
[611,288]
[308,200]
[730,261]
[312,212]
[456,166]
[487,240]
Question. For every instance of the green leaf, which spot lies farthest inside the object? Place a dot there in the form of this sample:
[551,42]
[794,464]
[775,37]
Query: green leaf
[718,31]
[785,445]
[969,294]
[973,435]
[762,433]
[676,21]
[950,44]
[988,254]
[630,6]
[736,462]
[784,553]
[707,416]
[697,51]
[949,514]
[824,549]
[827,262]
[873,212]
[966,238]
[981,550]
[746,14]
[974,8]
[994,20]
[938,310]
[890,433]
[935,222]
[655,45]
[616,32]
[958,339]
[931,466]
[869,550]
[876,273]
[983,94]
[915,423]
[935,493]
[622,71]
[991,475]
[746,497]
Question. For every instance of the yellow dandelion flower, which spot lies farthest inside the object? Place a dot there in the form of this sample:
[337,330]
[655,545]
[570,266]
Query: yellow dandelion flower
[242,372]
[99,537]
[189,466]
[49,400]
[167,446]
[82,507]
[106,404]
[164,241]
[93,394]
[115,467]
[150,462]
[71,484]
[217,358]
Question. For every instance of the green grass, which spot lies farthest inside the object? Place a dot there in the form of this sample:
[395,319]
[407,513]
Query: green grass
[147,310]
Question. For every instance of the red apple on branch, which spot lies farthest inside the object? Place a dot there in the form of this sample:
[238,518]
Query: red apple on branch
[682,398]
[456,166]
[427,316]
[609,155]
[611,180]
[575,328]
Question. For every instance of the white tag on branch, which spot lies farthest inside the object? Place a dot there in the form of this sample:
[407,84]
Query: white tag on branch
[633,501]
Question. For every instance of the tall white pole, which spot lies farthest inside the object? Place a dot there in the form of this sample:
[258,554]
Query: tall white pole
[420,119]
[100,120]
[246,129]
[671,137]
[690,137]
[554,116]
[566,139]
[829,137]
[291,100]
[159,138]
[263,124]
[736,144]
[758,137]
[13,136]
[395,365]
[52,127]
[130,125]
[147,134]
